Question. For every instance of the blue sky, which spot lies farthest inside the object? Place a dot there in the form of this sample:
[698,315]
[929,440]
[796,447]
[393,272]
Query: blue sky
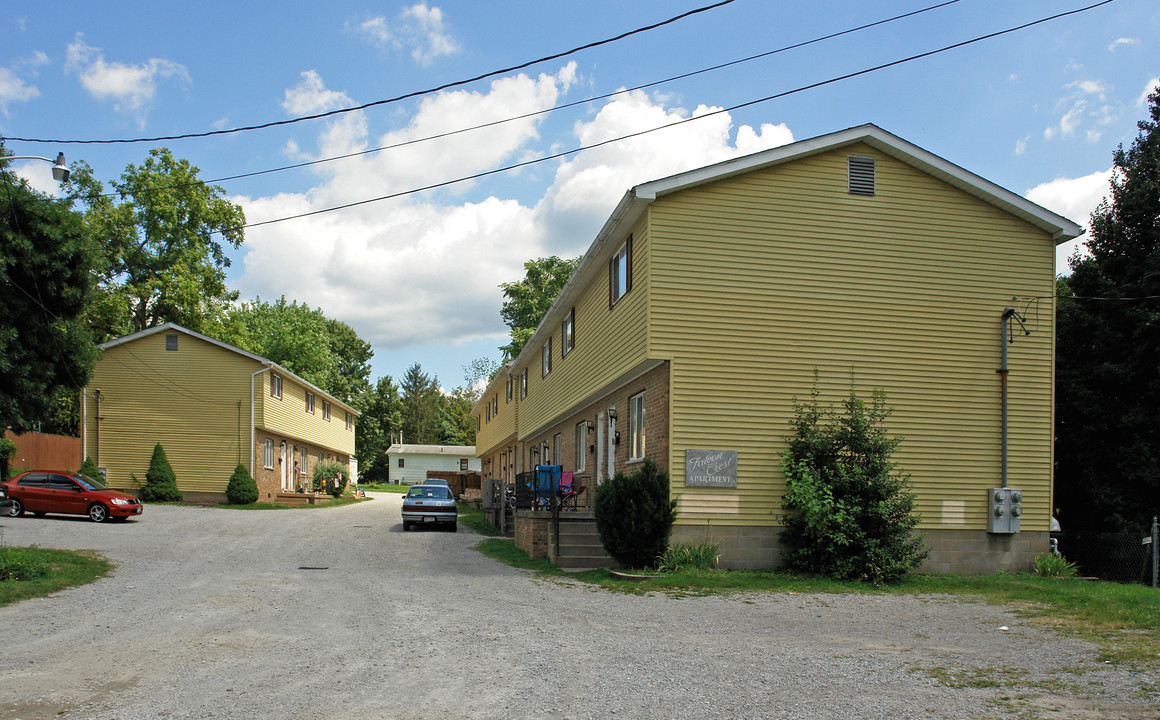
[1039,111]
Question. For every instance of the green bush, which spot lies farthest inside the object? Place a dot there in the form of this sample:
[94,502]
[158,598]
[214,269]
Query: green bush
[687,556]
[16,564]
[242,490]
[89,469]
[324,475]
[7,449]
[1048,565]
[849,512]
[634,515]
[160,482]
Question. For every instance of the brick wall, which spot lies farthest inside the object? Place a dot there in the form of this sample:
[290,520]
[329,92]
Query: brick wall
[532,528]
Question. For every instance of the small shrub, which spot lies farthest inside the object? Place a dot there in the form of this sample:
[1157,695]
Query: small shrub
[15,564]
[634,515]
[89,469]
[160,482]
[686,556]
[324,476]
[241,490]
[1048,565]
[7,450]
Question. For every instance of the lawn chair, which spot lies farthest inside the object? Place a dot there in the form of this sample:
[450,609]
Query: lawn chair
[570,490]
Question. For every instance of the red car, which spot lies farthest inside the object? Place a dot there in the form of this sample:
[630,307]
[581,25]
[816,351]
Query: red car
[41,492]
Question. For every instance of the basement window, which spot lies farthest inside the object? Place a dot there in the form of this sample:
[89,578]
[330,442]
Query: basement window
[860,174]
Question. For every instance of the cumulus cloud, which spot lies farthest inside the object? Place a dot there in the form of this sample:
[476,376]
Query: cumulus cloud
[1075,199]
[14,87]
[424,269]
[130,87]
[1086,102]
[418,28]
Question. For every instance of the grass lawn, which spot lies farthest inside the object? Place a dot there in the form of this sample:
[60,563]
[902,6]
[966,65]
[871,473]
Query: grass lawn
[401,489]
[1123,620]
[46,570]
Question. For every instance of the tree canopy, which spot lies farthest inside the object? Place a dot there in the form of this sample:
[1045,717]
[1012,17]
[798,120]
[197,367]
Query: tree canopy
[158,245]
[1108,376]
[45,346]
[526,301]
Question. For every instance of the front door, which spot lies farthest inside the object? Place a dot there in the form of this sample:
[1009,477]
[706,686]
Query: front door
[285,465]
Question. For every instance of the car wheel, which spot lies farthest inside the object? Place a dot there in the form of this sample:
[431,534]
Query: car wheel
[455,527]
[17,508]
[98,513]
[406,526]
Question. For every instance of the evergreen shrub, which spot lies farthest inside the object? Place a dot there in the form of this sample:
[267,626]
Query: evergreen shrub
[160,482]
[634,515]
[849,511]
[241,490]
[324,475]
[89,470]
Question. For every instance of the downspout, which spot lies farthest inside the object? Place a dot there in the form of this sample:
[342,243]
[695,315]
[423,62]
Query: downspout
[252,437]
[84,424]
[1004,322]
[97,398]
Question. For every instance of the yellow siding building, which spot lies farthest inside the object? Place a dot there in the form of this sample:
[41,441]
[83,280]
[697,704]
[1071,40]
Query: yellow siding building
[709,298]
[211,406]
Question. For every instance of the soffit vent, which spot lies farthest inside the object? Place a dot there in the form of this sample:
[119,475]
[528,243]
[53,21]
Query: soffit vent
[861,174]
[171,341]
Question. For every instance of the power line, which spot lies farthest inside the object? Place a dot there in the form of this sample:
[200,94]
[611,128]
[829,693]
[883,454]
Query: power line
[386,101]
[565,106]
[803,88]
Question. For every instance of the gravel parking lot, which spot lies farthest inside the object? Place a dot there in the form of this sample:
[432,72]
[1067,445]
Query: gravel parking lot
[337,613]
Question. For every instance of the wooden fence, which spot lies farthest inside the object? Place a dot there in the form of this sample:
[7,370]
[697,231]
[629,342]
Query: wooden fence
[42,451]
[461,481]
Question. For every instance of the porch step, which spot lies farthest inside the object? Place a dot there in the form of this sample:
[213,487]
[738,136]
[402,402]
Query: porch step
[580,546]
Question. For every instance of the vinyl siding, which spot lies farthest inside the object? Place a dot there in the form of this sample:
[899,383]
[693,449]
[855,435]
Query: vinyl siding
[288,416]
[194,401]
[502,426]
[759,279]
[609,343]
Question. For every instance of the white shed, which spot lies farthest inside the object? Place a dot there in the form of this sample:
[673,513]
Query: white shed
[409,463]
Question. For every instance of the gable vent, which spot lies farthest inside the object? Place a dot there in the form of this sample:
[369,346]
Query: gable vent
[861,174]
[171,341]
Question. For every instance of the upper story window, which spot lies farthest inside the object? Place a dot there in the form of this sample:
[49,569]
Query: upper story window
[310,403]
[325,410]
[509,390]
[488,411]
[568,333]
[349,421]
[495,405]
[636,427]
[620,273]
[276,386]
[546,358]
[524,384]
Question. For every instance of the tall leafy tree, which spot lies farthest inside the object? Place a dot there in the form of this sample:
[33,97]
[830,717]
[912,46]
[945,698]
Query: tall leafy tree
[526,301]
[159,244]
[325,351]
[1108,376]
[46,351]
[378,424]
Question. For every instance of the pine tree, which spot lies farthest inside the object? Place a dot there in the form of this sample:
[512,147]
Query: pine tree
[160,482]
[241,490]
[89,469]
[1107,373]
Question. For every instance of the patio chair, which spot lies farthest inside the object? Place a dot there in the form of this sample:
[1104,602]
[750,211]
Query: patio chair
[570,490]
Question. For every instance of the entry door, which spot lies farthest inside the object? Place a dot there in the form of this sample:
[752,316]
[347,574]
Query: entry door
[285,469]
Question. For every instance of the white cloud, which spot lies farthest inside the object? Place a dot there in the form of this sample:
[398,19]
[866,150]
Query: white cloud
[424,269]
[1080,106]
[1122,41]
[1075,199]
[418,28]
[1152,87]
[1021,145]
[13,85]
[311,96]
[131,87]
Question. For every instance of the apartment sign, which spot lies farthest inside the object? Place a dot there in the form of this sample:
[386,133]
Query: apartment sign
[711,468]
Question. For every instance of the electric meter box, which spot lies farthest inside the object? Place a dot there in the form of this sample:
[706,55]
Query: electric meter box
[1005,508]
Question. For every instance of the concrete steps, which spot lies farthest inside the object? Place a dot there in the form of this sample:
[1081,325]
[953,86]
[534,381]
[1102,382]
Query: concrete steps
[580,547]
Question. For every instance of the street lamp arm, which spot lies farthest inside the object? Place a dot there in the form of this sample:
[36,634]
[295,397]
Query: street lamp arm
[59,168]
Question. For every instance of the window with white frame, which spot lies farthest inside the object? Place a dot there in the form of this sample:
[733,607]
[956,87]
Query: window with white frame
[495,405]
[349,421]
[326,410]
[636,427]
[557,449]
[268,459]
[581,445]
[568,333]
[509,390]
[276,386]
[546,358]
[488,411]
[620,273]
[310,403]
[524,384]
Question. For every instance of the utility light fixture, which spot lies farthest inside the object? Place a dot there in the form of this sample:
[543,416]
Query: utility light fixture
[60,170]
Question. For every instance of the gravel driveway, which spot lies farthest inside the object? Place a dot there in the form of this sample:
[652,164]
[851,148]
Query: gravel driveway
[337,613]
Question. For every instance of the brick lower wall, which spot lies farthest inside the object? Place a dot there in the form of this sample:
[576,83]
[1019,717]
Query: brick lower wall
[965,552]
[532,528]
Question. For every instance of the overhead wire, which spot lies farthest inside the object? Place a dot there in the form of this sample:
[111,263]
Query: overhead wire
[386,101]
[677,123]
[605,96]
